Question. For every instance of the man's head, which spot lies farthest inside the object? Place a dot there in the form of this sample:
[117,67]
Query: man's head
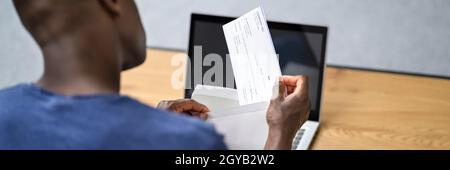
[105,25]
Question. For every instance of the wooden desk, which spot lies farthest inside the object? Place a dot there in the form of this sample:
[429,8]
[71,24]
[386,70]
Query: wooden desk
[361,109]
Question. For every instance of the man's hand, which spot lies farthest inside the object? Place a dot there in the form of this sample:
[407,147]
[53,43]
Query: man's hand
[287,111]
[185,106]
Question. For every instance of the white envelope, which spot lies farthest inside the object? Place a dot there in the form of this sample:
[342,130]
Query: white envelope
[244,127]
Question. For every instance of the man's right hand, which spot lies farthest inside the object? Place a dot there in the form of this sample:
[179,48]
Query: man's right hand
[287,111]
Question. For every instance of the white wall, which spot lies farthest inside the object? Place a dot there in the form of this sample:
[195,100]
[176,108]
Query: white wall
[397,35]
[20,57]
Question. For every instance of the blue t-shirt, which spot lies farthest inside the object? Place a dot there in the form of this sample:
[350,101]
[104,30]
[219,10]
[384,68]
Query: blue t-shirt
[33,118]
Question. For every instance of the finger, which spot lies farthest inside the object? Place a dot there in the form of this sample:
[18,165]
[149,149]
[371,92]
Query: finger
[282,88]
[302,85]
[198,107]
[290,89]
[301,90]
[291,80]
[189,105]
[202,116]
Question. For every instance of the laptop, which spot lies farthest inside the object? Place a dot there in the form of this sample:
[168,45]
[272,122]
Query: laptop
[301,50]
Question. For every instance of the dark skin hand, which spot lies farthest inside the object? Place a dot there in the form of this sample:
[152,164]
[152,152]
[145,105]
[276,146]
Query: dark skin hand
[185,106]
[287,112]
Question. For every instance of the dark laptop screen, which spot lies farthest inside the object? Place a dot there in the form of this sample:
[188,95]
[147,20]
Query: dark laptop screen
[301,50]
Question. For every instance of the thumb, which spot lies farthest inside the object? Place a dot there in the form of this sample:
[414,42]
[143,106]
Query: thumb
[279,89]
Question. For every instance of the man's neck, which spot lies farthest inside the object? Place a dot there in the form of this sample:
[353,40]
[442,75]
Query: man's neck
[77,87]
[81,67]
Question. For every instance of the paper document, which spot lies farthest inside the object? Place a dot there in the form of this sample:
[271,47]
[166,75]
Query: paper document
[253,57]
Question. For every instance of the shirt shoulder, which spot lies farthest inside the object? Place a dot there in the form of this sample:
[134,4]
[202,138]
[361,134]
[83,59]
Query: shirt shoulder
[11,90]
[11,96]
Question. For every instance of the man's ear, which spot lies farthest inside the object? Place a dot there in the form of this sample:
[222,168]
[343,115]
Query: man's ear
[112,6]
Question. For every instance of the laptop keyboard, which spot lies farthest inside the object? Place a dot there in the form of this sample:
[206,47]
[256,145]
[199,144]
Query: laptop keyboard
[298,138]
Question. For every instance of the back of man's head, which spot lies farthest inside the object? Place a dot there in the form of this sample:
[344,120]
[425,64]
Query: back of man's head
[47,20]
[115,23]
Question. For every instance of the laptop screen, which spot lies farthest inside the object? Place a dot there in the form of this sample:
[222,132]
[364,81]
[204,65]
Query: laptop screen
[301,50]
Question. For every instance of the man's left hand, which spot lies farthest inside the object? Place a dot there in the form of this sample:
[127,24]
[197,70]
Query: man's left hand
[185,106]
